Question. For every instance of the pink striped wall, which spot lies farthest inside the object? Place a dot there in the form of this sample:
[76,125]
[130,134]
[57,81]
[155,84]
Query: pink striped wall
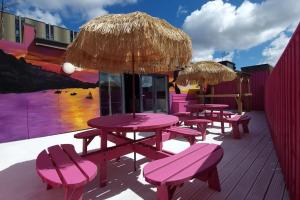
[257,81]
[282,107]
[227,88]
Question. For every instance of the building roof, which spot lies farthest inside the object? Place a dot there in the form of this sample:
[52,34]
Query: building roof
[260,67]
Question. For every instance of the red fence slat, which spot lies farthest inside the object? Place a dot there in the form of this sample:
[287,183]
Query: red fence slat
[282,107]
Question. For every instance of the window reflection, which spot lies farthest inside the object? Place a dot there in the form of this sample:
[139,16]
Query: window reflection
[110,93]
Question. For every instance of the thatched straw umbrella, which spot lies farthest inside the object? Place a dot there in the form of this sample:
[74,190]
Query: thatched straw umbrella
[130,43]
[205,73]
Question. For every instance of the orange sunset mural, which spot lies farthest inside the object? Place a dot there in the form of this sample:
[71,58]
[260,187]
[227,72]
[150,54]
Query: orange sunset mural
[36,97]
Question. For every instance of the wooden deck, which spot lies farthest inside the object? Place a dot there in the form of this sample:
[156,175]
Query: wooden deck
[248,170]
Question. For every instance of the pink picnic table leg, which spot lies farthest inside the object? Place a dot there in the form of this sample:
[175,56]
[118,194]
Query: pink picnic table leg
[158,140]
[222,121]
[74,193]
[103,161]
[162,193]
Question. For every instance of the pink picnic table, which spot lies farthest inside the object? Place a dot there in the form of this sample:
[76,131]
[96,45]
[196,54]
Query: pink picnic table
[111,127]
[211,107]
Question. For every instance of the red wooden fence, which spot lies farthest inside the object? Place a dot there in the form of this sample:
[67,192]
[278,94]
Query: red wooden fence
[282,107]
[258,77]
[227,88]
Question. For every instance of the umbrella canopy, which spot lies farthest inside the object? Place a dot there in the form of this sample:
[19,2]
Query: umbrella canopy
[205,72]
[117,43]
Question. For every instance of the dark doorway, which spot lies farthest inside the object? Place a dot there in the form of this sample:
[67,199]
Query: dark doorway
[128,93]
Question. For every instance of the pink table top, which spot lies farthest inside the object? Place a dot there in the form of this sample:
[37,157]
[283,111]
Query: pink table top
[126,122]
[207,106]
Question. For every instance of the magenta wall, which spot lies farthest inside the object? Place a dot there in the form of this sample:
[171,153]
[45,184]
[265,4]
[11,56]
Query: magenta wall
[282,107]
[258,78]
[257,81]
[226,88]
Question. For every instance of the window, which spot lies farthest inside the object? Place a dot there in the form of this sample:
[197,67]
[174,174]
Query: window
[71,36]
[17,29]
[51,32]
[47,31]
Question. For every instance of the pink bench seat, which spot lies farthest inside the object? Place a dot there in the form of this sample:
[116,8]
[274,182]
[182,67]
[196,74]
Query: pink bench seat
[198,161]
[201,125]
[188,133]
[61,166]
[87,137]
[235,121]
[183,116]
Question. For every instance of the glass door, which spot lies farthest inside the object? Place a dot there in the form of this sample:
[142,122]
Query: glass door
[147,96]
[161,94]
[111,94]
[154,93]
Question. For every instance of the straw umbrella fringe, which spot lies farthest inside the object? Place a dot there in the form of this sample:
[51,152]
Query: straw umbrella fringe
[110,43]
[205,72]
[130,43]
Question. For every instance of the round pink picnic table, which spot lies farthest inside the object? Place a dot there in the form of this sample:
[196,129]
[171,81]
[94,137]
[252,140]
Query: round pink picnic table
[126,122]
[123,123]
[207,106]
[212,107]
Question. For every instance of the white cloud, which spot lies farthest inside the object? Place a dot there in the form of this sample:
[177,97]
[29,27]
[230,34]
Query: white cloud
[275,49]
[40,15]
[228,56]
[181,11]
[221,26]
[202,54]
[70,9]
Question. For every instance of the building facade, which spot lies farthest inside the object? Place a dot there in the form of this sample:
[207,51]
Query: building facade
[12,29]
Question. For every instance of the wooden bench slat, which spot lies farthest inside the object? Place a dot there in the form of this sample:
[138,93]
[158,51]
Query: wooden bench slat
[237,118]
[198,167]
[47,170]
[69,172]
[165,170]
[183,131]
[88,168]
[149,168]
[87,134]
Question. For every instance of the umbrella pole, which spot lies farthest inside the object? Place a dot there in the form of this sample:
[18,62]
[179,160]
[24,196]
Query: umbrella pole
[133,108]
[133,87]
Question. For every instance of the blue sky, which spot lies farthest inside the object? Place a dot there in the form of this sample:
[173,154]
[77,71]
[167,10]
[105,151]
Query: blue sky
[245,32]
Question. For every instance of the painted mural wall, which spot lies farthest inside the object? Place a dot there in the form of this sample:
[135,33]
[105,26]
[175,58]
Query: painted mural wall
[36,97]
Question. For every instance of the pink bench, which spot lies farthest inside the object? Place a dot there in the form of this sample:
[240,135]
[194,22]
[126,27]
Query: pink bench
[179,102]
[198,161]
[87,137]
[187,133]
[61,166]
[215,113]
[235,121]
[201,125]
[183,116]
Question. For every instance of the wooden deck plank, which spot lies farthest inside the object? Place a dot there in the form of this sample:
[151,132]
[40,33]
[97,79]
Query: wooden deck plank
[264,179]
[239,163]
[248,179]
[233,179]
[286,194]
[277,187]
